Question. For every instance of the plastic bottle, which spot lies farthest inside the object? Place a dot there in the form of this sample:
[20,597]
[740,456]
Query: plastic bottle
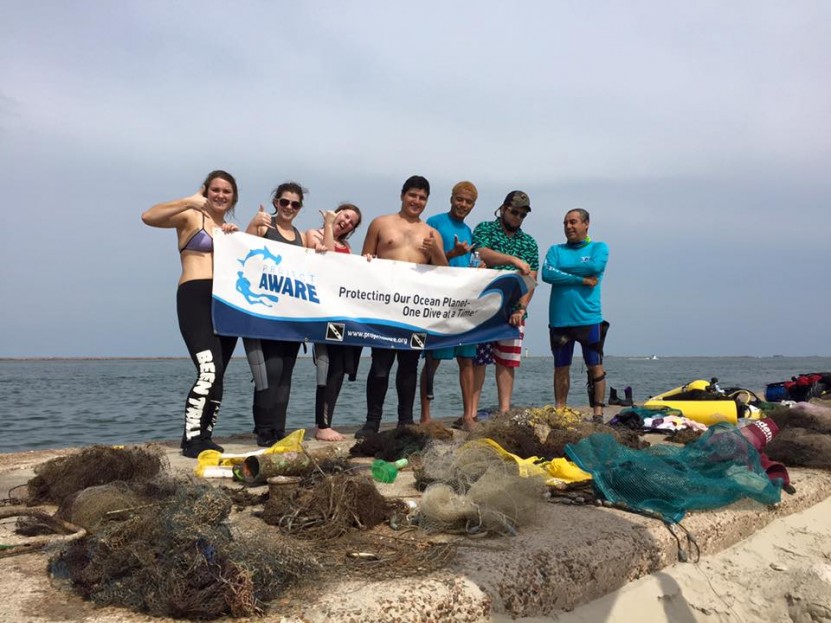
[474,259]
[384,471]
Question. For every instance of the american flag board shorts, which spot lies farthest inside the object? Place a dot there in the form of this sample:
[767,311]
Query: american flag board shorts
[504,352]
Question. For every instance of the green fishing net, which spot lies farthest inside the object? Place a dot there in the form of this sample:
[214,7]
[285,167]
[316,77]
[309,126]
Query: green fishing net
[718,469]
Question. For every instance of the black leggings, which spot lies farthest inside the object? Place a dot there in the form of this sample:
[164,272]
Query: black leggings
[210,354]
[272,402]
[406,379]
[333,362]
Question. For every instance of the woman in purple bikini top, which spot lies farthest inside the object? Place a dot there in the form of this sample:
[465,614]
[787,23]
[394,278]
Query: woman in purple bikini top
[200,241]
[194,219]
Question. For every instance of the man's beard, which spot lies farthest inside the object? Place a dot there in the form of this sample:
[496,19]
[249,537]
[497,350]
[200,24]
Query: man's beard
[508,227]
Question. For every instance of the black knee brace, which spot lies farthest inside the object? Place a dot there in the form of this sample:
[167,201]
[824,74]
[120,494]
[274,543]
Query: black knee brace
[590,387]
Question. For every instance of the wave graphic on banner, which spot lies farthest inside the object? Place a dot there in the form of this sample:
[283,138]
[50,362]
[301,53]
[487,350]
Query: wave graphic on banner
[268,290]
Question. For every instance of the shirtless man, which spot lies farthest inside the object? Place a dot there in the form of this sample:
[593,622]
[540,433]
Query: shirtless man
[402,236]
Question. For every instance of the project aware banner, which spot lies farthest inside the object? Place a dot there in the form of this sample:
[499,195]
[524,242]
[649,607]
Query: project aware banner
[276,291]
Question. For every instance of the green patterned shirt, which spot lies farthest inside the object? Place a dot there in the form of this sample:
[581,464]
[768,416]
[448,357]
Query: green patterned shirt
[489,234]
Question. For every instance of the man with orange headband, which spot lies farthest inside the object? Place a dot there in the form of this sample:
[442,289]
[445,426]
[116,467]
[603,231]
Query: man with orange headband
[457,241]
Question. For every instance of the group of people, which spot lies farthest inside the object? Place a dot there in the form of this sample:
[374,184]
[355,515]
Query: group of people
[574,269]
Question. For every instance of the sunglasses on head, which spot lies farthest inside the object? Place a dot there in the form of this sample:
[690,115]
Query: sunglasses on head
[284,203]
[518,213]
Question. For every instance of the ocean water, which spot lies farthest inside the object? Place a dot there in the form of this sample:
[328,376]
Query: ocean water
[79,402]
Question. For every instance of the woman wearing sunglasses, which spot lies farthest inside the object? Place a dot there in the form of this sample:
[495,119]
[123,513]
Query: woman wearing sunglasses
[272,361]
[195,219]
[333,362]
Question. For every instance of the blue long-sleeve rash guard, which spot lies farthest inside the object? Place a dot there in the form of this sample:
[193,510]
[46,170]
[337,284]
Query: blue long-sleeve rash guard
[573,304]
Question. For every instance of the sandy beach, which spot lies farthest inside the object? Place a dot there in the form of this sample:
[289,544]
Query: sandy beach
[572,563]
[781,573]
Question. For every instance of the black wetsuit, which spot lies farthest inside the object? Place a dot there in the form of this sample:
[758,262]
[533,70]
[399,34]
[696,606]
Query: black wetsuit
[272,401]
[377,382]
[333,362]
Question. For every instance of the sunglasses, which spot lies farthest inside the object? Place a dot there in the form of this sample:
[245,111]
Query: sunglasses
[520,214]
[284,203]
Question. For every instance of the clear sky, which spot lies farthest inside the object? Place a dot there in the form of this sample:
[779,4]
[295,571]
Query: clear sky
[697,134]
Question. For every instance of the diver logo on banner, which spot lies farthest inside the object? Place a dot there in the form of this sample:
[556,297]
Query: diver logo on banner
[335,331]
[269,290]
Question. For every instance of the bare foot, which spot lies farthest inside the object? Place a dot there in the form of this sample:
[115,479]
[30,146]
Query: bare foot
[425,419]
[328,434]
[468,424]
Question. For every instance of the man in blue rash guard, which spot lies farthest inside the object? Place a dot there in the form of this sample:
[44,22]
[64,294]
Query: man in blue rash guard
[457,241]
[575,271]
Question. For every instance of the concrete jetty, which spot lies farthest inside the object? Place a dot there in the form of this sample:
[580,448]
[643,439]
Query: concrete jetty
[568,556]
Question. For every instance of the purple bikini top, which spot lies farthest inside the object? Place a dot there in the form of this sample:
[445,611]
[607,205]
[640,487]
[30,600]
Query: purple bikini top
[200,241]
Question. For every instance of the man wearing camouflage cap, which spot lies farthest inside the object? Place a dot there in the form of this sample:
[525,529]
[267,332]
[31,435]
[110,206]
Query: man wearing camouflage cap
[503,245]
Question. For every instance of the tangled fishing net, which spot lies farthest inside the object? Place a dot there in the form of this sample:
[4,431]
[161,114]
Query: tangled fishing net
[353,530]
[385,554]
[546,431]
[157,544]
[59,478]
[329,507]
[471,489]
[719,468]
[804,438]
[400,442]
[165,548]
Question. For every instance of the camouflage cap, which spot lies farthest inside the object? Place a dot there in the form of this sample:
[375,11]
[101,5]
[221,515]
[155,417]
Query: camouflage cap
[517,199]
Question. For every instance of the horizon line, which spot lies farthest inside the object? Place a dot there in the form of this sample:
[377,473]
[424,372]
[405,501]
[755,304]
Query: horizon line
[526,356]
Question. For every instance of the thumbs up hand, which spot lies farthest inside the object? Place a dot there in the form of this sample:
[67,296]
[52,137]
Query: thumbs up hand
[260,222]
[198,200]
[263,218]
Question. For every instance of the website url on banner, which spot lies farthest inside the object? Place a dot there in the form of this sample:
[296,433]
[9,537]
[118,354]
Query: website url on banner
[366,335]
